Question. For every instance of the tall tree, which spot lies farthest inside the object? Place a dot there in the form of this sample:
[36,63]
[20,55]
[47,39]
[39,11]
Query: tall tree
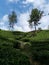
[12,19]
[35,17]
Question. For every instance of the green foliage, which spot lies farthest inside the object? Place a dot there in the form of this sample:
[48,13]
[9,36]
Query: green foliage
[41,56]
[35,17]
[12,19]
[11,56]
[25,40]
[17,45]
[40,52]
[27,48]
[39,29]
[35,46]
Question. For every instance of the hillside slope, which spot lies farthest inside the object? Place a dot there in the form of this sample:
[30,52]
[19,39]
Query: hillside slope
[24,36]
[27,47]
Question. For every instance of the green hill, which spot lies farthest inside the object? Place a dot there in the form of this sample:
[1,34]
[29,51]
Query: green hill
[26,45]
[39,36]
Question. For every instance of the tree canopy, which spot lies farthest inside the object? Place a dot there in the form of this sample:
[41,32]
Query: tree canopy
[12,19]
[35,16]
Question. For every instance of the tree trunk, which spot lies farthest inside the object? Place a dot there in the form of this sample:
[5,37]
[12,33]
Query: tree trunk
[35,28]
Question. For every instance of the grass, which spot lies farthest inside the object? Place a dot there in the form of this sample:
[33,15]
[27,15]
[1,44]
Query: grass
[30,43]
[40,36]
[23,37]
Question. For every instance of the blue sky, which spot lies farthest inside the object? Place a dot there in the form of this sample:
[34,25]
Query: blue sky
[23,9]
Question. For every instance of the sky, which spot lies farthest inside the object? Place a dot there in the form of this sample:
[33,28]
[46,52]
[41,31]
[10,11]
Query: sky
[23,10]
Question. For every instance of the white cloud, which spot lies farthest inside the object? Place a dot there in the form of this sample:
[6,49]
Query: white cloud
[22,21]
[5,18]
[44,22]
[28,1]
[13,1]
[37,2]
[46,8]
[42,5]
[17,28]
[22,24]
[24,17]
[4,22]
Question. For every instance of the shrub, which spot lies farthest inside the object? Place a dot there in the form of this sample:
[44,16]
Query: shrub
[25,40]
[41,56]
[11,56]
[17,45]
[27,47]
[39,29]
[40,52]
